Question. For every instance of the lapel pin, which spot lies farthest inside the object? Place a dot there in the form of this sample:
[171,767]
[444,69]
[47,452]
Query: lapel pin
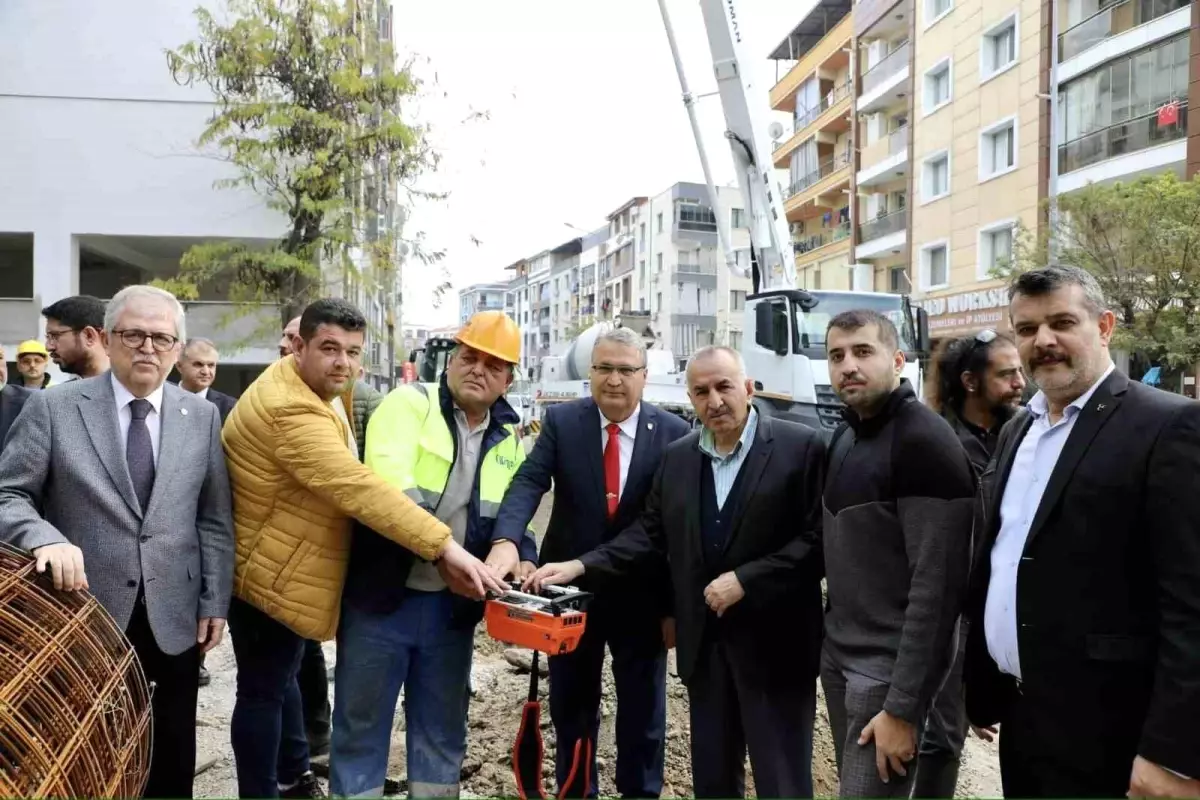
[649,426]
[1100,406]
[183,411]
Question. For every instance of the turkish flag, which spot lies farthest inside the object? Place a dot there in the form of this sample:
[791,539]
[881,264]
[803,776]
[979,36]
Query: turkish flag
[1168,114]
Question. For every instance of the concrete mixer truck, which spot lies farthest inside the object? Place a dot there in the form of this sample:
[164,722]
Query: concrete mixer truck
[566,377]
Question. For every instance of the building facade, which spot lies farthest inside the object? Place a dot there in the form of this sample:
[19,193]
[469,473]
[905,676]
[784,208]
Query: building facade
[924,134]
[103,184]
[657,259]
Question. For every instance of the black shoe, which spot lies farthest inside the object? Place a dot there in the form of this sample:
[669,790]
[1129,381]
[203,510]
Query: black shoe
[394,786]
[307,787]
[205,679]
[320,766]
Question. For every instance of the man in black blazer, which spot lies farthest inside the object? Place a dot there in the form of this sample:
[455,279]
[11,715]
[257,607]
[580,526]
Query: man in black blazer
[736,509]
[631,616]
[197,371]
[12,399]
[1085,605]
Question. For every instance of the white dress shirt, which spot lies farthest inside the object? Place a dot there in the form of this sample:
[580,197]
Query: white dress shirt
[203,393]
[124,417]
[1032,466]
[625,438]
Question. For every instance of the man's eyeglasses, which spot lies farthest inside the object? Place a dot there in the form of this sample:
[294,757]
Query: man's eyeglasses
[53,336]
[134,339]
[608,369]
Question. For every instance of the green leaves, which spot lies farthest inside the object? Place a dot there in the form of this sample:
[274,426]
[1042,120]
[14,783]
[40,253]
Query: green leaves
[1141,241]
[310,112]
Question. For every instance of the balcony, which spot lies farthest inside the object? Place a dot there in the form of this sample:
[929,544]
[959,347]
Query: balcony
[819,189]
[819,246]
[703,275]
[827,54]
[883,236]
[830,115]
[884,160]
[1122,139]
[1112,21]
[882,225]
[887,83]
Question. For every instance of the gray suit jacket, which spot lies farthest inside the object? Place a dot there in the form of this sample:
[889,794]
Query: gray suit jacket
[63,478]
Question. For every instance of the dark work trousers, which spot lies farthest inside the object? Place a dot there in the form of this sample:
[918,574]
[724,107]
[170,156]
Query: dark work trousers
[639,665]
[731,714]
[945,732]
[173,708]
[1038,757]
[314,693]
[267,729]
[853,700]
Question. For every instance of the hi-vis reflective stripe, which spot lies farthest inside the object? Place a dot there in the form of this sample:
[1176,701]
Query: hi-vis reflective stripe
[426,496]
[488,509]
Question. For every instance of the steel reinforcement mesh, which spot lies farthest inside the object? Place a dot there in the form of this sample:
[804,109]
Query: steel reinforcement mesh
[74,702]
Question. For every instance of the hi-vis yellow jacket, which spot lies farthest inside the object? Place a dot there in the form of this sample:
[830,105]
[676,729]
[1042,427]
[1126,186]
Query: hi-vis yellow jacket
[412,444]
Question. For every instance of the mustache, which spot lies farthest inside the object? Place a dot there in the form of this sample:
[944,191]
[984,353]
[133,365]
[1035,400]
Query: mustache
[1044,357]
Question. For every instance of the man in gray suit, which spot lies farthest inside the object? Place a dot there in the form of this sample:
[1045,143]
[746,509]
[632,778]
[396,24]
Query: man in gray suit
[130,480]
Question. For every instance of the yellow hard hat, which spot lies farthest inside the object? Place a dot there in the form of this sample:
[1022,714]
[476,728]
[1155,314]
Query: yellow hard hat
[32,346]
[494,333]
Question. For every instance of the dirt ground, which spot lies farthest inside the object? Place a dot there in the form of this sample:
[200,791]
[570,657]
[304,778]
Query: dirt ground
[500,690]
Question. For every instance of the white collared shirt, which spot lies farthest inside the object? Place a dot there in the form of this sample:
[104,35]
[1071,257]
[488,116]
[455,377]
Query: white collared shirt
[1032,466]
[124,417]
[625,440]
[203,393]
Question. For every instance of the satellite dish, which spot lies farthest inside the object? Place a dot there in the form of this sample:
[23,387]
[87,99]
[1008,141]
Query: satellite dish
[775,130]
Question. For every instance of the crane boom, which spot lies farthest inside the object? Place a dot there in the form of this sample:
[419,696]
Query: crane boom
[746,133]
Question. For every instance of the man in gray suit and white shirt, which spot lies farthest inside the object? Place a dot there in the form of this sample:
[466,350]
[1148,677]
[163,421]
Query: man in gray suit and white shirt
[129,475]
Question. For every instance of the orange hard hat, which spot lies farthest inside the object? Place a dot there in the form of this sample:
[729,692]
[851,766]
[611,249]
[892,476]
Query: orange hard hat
[494,333]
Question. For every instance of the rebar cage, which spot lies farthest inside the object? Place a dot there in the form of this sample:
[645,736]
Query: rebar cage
[74,701]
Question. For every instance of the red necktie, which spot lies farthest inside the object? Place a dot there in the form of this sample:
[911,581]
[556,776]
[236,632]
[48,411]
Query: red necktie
[612,468]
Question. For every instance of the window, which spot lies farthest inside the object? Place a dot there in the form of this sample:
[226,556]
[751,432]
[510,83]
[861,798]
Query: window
[658,301]
[897,280]
[735,340]
[737,300]
[658,262]
[937,86]
[641,237]
[998,50]
[995,247]
[936,9]
[998,149]
[935,177]
[935,266]
[642,272]
[738,218]
[660,222]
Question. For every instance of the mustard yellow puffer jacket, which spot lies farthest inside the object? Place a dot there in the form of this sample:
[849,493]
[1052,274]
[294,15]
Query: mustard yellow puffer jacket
[296,489]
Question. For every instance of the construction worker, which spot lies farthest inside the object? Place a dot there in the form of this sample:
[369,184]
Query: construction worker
[455,453]
[32,357]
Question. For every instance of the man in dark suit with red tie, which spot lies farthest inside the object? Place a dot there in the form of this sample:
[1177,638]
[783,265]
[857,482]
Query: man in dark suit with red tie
[601,455]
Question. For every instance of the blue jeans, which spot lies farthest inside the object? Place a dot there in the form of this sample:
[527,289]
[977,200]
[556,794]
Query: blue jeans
[413,647]
[267,729]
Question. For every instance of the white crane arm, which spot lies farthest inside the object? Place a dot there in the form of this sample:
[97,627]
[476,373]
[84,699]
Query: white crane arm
[745,123]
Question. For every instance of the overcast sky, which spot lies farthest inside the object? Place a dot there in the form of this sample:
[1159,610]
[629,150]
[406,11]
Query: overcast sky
[584,113]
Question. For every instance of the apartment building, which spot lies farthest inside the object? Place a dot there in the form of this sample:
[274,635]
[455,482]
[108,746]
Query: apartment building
[980,152]
[949,122]
[481,297]
[103,186]
[1122,83]
[662,258]
[655,256]
[816,89]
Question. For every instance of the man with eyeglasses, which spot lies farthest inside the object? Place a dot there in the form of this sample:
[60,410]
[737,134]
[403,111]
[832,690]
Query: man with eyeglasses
[73,335]
[601,454]
[117,484]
